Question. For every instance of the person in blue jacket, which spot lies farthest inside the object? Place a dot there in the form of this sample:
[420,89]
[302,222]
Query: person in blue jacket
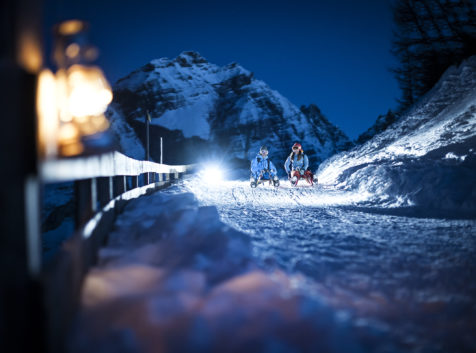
[263,169]
[296,166]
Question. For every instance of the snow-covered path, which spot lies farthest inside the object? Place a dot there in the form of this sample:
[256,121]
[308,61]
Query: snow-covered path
[221,267]
[408,276]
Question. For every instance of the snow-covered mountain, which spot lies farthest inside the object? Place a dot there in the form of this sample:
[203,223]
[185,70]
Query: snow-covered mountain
[203,110]
[425,159]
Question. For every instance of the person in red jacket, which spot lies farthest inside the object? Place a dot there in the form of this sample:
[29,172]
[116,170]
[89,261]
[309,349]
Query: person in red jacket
[296,166]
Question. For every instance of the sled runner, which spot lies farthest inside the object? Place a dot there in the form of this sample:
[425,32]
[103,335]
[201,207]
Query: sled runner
[264,177]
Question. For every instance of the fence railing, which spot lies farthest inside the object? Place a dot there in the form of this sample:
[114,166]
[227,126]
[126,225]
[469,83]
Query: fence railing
[101,178]
[38,302]
[103,185]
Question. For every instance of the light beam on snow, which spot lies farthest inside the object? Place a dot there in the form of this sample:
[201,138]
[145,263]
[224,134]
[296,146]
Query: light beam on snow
[212,174]
[239,193]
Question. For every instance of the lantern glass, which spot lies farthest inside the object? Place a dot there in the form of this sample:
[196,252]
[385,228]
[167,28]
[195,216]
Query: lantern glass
[81,93]
[46,106]
[89,93]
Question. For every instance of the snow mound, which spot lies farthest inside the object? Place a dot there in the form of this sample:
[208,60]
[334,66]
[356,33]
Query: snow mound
[427,159]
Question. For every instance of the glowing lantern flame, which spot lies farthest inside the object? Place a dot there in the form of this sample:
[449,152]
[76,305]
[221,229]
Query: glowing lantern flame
[47,113]
[72,103]
[89,92]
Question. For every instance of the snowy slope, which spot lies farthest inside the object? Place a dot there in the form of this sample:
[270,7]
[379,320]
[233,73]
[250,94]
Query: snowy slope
[427,158]
[196,105]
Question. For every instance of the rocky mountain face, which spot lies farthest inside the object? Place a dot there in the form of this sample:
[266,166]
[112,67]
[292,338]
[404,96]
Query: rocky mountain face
[334,139]
[426,159]
[380,125]
[204,111]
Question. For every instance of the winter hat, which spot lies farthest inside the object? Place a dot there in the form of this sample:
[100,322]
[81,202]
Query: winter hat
[298,145]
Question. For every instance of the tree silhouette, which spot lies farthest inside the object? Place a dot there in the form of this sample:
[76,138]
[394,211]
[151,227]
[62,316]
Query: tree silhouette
[430,36]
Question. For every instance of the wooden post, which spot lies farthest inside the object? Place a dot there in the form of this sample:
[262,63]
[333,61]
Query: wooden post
[147,143]
[94,195]
[22,315]
[103,191]
[84,201]
[111,188]
[161,151]
[119,185]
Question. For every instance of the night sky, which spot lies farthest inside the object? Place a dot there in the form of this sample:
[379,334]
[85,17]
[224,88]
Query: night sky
[333,53]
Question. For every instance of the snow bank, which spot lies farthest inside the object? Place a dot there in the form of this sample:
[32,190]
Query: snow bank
[426,160]
[174,278]
[441,187]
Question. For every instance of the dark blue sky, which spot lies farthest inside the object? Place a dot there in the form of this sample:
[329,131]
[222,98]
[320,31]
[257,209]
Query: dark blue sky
[333,53]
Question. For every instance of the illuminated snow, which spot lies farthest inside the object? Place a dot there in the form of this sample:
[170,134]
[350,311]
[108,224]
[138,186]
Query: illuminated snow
[426,158]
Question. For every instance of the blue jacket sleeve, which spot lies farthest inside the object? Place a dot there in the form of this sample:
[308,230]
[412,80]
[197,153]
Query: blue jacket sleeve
[254,166]
[286,164]
[272,168]
[306,162]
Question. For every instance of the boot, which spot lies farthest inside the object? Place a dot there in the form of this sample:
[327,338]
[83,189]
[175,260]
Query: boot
[294,180]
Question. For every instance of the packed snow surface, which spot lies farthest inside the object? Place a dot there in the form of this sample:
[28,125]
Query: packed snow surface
[221,267]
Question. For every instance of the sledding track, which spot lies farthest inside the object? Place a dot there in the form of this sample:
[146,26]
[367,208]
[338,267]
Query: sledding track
[381,266]
[238,192]
[265,210]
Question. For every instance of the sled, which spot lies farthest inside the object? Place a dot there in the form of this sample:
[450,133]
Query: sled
[260,180]
[308,176]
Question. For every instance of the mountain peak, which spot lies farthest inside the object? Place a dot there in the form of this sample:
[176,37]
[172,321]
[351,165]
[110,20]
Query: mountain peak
[311,110]
[188,58]
[236,69]
[198,104]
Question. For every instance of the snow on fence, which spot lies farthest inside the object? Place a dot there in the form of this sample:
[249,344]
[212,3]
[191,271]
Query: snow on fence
[111,164]
[103,185]
[102,178]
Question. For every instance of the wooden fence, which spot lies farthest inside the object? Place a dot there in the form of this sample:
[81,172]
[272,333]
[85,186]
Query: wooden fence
[37,302]
[103,185]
